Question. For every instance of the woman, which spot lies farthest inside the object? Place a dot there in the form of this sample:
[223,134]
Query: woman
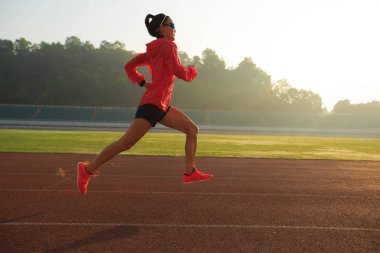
[161,58]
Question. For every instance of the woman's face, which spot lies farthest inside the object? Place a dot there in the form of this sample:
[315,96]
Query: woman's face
[167,29]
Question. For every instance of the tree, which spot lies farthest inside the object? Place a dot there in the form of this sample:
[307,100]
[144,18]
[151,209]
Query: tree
[117,45]
[345,106]
[211,61]
[196,62]
[297,100]
[6,48]
[22,46]
[184,57]
[73,42]
[77,73]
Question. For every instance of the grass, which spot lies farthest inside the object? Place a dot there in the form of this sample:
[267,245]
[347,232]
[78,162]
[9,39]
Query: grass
[209,145]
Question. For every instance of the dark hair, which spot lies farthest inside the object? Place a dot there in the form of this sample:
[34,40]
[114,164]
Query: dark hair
[153,22]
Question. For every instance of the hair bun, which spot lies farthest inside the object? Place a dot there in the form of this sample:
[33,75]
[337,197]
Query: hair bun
[153,22]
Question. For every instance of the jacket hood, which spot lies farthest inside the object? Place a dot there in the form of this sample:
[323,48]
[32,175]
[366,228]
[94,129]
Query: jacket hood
[154,47]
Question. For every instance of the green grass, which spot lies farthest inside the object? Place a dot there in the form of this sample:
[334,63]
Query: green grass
[172,144]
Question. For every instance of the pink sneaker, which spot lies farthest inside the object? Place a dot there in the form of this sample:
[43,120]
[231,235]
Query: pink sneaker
[83,177]
[196,175]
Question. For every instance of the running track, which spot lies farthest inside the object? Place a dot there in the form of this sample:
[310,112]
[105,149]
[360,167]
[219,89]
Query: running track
[139,204]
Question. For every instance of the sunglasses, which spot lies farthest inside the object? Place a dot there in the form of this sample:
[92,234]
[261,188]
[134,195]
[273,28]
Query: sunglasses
[172,25]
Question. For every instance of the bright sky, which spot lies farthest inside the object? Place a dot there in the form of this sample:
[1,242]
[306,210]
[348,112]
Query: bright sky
[328,46]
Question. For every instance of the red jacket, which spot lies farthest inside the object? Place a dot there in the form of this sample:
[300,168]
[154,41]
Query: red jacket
[162,60]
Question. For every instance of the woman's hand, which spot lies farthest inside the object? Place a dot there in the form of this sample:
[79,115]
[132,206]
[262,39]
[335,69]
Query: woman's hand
[142,83]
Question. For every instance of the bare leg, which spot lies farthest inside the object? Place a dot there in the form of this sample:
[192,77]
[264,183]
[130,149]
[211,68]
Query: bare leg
[137,129]
[178,120]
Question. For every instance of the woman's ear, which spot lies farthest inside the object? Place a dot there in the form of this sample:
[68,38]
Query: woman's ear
[159,30]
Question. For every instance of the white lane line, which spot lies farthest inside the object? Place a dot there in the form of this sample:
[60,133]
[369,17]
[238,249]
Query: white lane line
[200,193]
[187,226]
[219,177]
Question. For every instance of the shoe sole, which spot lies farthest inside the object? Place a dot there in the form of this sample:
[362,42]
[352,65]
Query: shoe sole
[201,180]
[78,179]
[78,176]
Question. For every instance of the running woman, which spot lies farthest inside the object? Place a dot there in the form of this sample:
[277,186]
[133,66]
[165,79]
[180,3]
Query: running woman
[161,58]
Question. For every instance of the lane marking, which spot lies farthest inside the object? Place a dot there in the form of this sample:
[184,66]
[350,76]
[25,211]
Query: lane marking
[200,193]
[219,177]
[221,226]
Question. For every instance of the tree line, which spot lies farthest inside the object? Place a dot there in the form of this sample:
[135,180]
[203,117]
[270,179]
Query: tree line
[77,73]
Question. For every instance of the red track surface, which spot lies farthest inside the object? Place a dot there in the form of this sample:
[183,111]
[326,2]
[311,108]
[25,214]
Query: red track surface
[139,204]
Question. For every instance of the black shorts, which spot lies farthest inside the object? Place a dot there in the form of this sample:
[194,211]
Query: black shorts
[151,113]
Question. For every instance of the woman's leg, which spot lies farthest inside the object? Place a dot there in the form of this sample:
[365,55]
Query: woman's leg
[138,128]
[178,120]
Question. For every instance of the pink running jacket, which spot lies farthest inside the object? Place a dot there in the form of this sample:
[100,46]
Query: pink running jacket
[163,63]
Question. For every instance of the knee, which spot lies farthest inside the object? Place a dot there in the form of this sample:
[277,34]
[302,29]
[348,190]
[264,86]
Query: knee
[192,130]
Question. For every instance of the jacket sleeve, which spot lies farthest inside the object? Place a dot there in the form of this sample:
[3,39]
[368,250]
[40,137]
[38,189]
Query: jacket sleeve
[185,73]
[131,67]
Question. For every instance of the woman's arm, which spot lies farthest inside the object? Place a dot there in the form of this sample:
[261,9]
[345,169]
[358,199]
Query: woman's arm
[131,68]
[185,73]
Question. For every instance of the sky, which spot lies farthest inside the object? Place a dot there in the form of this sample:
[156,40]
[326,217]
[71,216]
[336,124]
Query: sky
[330,47]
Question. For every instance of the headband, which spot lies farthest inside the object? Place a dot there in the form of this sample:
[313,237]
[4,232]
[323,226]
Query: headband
[163,20]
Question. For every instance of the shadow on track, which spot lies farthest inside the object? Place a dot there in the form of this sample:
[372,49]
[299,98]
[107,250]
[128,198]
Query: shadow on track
[99,237]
